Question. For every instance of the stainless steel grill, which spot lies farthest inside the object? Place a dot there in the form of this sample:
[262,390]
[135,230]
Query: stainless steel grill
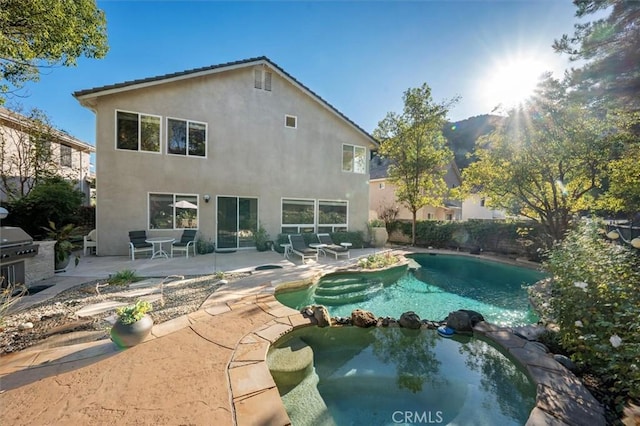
[15,246]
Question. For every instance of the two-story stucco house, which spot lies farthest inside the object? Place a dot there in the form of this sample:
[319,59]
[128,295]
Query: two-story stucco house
[224,149]
[382,195]
[58,152]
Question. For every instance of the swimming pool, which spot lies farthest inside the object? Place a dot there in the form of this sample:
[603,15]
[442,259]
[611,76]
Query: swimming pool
[442,284]
[395,376]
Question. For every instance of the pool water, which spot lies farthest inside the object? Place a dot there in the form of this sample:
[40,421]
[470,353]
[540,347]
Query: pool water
[395,376]
[442,284]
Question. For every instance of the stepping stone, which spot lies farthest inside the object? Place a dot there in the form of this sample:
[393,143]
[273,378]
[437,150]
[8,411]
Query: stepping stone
[99,308]
[136,293]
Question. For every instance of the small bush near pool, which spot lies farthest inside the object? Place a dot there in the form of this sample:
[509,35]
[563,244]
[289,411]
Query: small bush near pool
[596,303]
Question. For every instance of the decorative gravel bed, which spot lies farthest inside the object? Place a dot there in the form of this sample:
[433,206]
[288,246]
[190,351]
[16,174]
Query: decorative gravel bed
[57,315]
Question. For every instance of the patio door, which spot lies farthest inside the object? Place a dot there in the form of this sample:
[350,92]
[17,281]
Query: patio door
[237,222]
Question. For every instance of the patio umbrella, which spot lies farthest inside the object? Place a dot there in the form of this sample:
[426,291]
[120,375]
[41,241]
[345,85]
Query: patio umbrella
[184,204]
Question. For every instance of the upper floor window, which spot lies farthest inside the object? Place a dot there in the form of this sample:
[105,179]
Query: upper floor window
[291,121]
[354,159]
[262,79]
[482,202]
[137,132]
[186,137]
[65,156]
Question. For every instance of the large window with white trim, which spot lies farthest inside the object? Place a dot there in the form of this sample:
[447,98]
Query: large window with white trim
[354,159]
[298,215]
[137,132]
[173,211]
[305,215]
[332,216]
[186,137]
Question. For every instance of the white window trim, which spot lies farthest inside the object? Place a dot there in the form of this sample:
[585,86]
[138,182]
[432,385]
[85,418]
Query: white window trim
[186,154]
[295,118]
[174,194]
[298,225]
[262,81]
[115,132]
[353,160]
[332,225]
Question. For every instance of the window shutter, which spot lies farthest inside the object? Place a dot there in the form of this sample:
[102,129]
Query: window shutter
[267,81]
[257,74]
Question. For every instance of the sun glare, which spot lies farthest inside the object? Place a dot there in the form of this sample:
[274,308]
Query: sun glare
[511,81]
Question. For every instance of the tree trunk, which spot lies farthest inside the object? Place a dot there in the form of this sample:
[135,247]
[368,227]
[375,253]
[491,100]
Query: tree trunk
[413,228]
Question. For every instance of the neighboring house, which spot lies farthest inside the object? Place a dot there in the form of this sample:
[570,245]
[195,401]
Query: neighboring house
[382,195]
[224,149]
[473,208]
[63,154]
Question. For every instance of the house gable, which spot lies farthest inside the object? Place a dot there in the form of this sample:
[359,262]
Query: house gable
[88,97]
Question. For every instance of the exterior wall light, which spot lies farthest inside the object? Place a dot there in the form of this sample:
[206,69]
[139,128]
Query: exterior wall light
[206,198]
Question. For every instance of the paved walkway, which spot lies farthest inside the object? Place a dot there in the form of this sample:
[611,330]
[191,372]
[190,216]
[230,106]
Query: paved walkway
[209,367]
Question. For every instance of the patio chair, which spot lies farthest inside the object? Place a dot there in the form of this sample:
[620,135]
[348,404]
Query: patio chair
[299,247]
[138,243]
[331,247]
[188,241]
[90,242]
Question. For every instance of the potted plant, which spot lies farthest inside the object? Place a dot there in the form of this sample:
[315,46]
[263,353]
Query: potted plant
[261,238]
[133,324]
[63,247]
[204,246]
[378,234]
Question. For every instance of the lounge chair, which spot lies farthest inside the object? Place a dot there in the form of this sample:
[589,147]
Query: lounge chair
[299,247]
[138,243]
[188,241]
[331,247]
[90,242]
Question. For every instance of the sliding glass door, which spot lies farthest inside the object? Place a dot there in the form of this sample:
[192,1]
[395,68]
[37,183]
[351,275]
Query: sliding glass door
[237,222]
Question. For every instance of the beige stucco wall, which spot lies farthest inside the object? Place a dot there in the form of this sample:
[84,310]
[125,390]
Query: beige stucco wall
[250,153]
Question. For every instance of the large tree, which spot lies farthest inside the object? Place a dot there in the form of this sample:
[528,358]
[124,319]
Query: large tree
[547,161]
[43,33]
[417,150]
[609,47]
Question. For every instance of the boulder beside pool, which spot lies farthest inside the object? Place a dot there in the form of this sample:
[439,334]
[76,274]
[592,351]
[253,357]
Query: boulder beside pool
[463,320]
[410,320]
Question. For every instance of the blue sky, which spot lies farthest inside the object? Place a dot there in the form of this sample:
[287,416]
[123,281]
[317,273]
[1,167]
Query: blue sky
[359,56]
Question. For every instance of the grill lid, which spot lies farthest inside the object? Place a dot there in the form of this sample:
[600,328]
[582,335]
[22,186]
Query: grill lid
[11,236]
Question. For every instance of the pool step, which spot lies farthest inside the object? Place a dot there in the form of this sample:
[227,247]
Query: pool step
[340,280]
[348,297]
[343,289]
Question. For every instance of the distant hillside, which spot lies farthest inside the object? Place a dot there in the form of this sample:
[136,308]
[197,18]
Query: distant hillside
[462,135]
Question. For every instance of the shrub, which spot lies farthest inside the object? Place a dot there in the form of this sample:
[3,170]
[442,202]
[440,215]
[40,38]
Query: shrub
[133,313]
[596,304]
[378,261]
[53,200]
[124,277]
